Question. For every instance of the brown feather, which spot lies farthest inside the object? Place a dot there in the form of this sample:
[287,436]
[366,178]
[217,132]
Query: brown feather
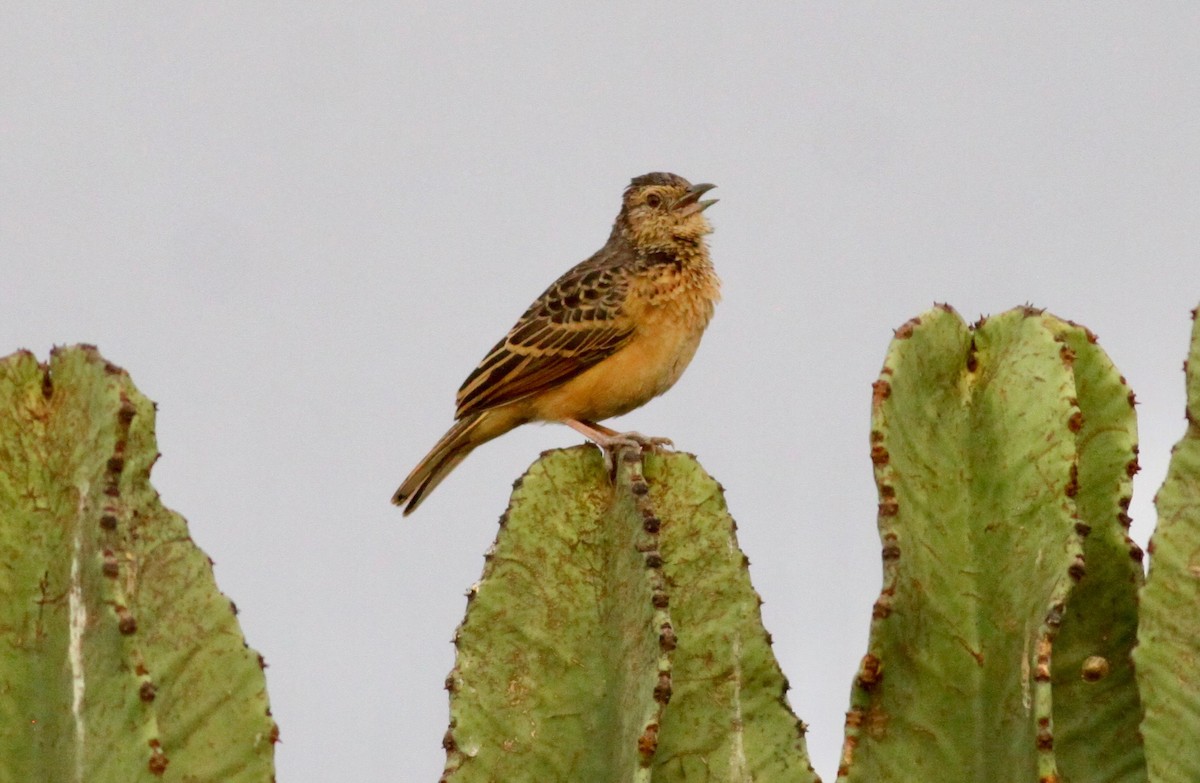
[557,338]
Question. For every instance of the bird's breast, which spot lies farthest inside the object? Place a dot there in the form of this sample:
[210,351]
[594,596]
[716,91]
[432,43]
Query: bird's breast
[671,310]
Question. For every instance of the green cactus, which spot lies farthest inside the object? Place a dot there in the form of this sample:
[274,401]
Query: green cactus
[996,450]
[1168,651]
[614,636]
[120,660]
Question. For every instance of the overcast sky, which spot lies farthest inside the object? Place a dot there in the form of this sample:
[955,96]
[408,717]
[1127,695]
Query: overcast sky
[299,226]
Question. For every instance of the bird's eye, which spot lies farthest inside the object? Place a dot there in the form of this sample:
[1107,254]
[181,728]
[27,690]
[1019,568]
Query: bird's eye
[654,201]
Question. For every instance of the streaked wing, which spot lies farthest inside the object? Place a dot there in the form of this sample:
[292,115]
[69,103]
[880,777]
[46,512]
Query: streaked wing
[577,322]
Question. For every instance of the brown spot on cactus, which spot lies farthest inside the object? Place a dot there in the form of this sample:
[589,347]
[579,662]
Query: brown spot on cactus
[654,560]
[666,637]
[1075,423]
[648,742]
[906,329]
[108,522]
[879,455]
[158,763]
[1072,488]
[1077,569]
[651,524]
[147,692]
[639,488]
[870,672]
[1053,619]
[1132,468]
[1066,354]
[1083,529]
[1045,740]
[116,465]
[889,507]
[1095,668]
[126,624]
[662,691]
[660,600]
[880,391]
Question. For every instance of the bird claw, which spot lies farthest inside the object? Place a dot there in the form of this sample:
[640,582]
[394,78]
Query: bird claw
[635,440]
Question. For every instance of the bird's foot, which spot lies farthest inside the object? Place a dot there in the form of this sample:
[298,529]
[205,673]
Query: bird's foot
[611,440]
[636,440]
[628,446]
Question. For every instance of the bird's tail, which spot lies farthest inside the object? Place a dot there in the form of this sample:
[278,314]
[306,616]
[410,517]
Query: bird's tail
[467,433]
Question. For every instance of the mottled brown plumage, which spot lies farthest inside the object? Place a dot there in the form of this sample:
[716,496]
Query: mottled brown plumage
[609,335]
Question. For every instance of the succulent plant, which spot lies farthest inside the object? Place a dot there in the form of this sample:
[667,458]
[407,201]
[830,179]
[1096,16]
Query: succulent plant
[119,659]
[1000,642]
[1168,651]
[615,636]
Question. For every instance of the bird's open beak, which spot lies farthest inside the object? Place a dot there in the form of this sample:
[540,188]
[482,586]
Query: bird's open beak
[691,200]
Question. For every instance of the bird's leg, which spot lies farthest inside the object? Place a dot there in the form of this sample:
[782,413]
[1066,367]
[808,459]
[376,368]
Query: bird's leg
[607,438]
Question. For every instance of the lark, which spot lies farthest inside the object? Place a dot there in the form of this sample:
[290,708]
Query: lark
[614,332]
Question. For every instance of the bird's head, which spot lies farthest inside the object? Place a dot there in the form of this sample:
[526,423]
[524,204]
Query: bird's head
[664,212]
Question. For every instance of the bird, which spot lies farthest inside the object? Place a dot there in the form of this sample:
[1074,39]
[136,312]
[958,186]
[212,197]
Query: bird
[609,335]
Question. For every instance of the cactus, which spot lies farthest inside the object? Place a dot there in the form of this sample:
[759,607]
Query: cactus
[615,636]
[1168,651]
[1002,457]
[120,659]
[1001,644]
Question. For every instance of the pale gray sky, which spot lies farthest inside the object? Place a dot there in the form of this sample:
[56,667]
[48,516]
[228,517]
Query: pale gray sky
[299,226]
